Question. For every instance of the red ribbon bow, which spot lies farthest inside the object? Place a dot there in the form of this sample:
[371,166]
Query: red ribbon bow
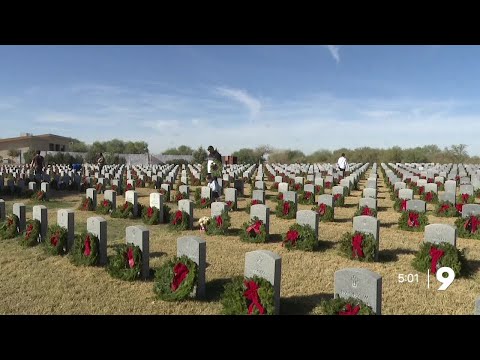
[219,221]
[357,250]
[465,198]
[336,197]
[280,196]
[286,208]
[292,236]
[308,195]
[435,254]
[252,295]
[444,207]
[421,190]
[429,196]
[413,220]
[459,207]
[349,310]
[366,211]
[472,224]
[150,212]
[327,184]
[29,231]
[88,249]
[54,239]
[180,272]
[131,260]
[255,227]
[178,217]
[322,208]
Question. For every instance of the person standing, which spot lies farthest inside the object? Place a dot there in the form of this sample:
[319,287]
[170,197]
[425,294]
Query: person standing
[213,155]
[38,162]
[215,186]
[101,163]
[342,164]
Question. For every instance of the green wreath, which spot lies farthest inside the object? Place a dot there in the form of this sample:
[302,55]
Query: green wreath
[319,190]
[452,257]
[465,199]
[99,187]
[468,228]
[85,250]
[166,214]
[353,248]
[219,225]
[86,204]
[338,200]
[412,220]
[176,279]
[307,198]
[9,228]
[350,306]
[300,237]
[325,212]
[180,221]
[197,195]
[181,196]
[285,211]
[397,205]
[39,196]
[365,210]
[231,205]
[446,209]
[216,169]
[151,215]
[248,296]
[394,195]
[104,207]
[32,233]
[203,203]
[124,211]
[430,197]
[126,264]
[56,242]
[254,231]
[274,186]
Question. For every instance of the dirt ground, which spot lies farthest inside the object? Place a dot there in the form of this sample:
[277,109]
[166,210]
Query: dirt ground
[32,282]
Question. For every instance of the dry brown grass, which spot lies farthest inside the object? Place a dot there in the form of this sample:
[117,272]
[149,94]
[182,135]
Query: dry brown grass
[34,283]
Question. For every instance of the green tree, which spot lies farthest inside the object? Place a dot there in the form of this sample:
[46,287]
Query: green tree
[181,150]
[78,146]
[199,156]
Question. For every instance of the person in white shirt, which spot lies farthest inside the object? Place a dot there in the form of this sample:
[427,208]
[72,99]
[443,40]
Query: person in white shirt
[342,164]
[215,186]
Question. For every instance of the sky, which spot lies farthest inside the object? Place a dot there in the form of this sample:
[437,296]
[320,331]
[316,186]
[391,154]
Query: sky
[231,97]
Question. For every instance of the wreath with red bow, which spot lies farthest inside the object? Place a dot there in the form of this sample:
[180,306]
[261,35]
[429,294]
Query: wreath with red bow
[176,280]
[204,203]
[365,210]
[254,231]
[307,198]
[248,296]
[412,220]
[219,225]
[446,209]
[126,264]
[300,237]
[104,207]
[86,204]
[360,246]
[338,200]
[180,221]
[430,197]
[253,202]
[434,256]
[31,236]
[9,228]
[325,212]
[85,250]
[39,196]
[286,210]
[56,242]
[350,306]
[468,227]
[465,199]
[151,215]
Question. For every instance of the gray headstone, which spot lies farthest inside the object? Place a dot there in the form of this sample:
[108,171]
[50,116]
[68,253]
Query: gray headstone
[92,194]
[139,235]
[406,194]
[369,225]
[195,249]
[260,185]
[372,184]
[421,182]
[112,196]
[298,180]
[361,284]
[283,187]
[309,188]
[337,190]
[156,201]
[98,227]
[45,187]
[166,187]
[231,195]
[318,181]
[278,179]
[370,202]
[369,193]
[2,210]
[217,208]
[32,186]
[262,212]
[431,187]
[417,205]
[66,219]
[308,217]
[290,196]
[267,265]
[206,192]
[470,209]
[450,186]
[440,179]
[187,206]
[449,197]
[258,195]
[438,233]
[399,185]
[40,213]
[326,199]
[131,197]
[184,189]
[466,189]
[19,210]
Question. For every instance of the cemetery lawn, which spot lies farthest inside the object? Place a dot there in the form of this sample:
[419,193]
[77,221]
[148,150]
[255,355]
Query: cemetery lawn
[32,282]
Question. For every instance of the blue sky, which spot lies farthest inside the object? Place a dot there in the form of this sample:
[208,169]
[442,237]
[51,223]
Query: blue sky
[299,97]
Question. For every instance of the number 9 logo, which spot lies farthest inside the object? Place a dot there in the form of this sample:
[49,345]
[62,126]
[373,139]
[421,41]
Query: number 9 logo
[446,281]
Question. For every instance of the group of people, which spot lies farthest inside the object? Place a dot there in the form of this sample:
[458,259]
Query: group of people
[38,163]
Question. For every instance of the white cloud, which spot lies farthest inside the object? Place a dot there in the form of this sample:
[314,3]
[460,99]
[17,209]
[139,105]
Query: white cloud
[243,97]
[334,51]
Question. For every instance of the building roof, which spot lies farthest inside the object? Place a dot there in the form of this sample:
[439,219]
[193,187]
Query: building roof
[45,136]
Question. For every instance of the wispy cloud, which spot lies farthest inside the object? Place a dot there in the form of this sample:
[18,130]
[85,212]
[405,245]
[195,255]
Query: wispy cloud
[253,105]
[335,52]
